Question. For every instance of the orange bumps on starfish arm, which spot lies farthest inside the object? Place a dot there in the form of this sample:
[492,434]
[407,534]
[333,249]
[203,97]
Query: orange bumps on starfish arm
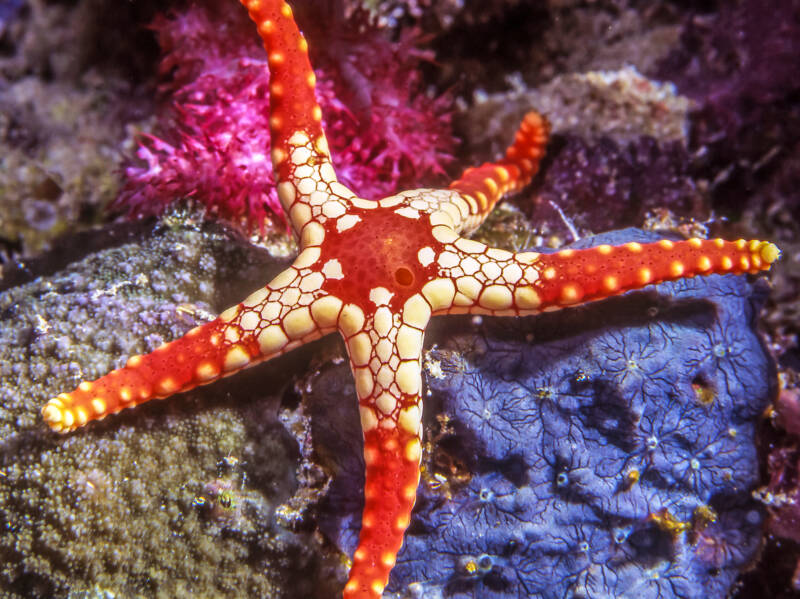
[200,357]
[293,103]
[574,276]
[487,183]
[392,457]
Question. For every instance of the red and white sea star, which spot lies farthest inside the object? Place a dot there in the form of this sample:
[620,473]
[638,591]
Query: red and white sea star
[376,271]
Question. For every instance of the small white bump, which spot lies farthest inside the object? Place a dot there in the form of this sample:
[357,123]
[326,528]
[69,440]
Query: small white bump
[386,403]
[448,260]
[439,293]
[351,320]
[98,405]
[250,320]
[408,377]
[307,257]
[332,269]
[365,382]
[408,212]
[380,296]
[312,282]
[207,371]
[409,342]
[383,321]
[470,246]
[634,247]
[416,311]
[676,268]
[368,418]
[236,358]
[426,255]
[298,139]
[526,298]
[348,221]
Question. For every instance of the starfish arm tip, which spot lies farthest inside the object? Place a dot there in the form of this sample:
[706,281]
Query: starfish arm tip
[769,252]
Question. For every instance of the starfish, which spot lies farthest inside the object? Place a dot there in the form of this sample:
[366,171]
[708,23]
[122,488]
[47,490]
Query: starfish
[376,271]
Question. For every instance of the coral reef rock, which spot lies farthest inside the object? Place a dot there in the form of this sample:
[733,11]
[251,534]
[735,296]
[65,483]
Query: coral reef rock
[181,498]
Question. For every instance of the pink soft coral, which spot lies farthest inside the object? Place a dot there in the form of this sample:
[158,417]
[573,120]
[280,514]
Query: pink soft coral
[213,136]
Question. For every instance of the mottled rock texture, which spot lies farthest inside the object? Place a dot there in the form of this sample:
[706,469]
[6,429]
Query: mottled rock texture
[185,497]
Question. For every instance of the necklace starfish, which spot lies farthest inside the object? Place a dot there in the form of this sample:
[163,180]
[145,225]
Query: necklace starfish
[376,271]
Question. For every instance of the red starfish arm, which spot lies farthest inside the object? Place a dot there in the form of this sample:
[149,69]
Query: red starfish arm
[491,281]
[385,356]
[293,103]
[300,153]
[481,187]
[270,322]
[572,277]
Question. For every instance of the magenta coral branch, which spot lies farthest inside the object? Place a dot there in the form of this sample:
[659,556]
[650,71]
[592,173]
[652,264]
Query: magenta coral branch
[212,138]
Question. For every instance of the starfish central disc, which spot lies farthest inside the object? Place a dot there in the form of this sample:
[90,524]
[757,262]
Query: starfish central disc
[381,250]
